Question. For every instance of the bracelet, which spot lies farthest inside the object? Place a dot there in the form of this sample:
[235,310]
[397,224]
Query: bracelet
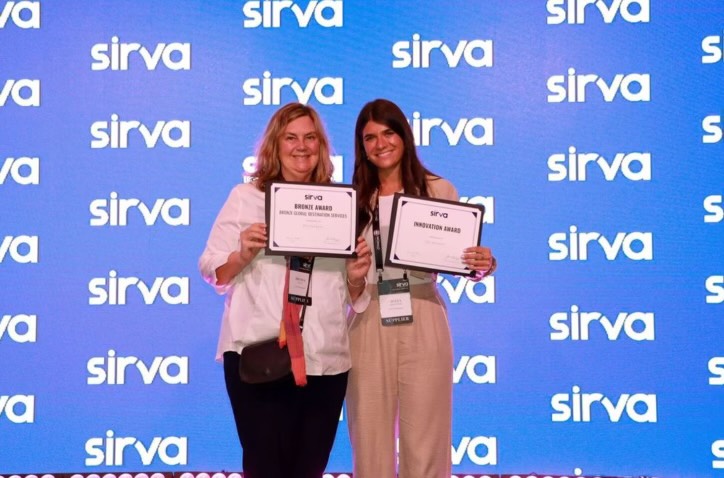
[493,266]
[362,284]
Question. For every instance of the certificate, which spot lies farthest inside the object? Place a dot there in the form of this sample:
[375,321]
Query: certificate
[307,219]
[430,234]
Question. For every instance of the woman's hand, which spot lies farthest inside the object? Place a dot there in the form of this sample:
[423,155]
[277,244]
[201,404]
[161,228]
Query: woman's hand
[357,268]
[479,258]
[252,240]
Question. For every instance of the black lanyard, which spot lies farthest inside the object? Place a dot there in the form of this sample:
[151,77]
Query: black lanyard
[377,240]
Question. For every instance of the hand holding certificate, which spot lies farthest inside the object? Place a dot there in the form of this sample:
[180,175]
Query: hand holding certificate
[431,234]
[306,219]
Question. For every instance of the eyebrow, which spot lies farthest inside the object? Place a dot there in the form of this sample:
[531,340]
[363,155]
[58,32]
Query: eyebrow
[308,133]
[384,131]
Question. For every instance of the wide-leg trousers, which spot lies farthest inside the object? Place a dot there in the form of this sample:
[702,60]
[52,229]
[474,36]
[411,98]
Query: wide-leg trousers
[400,385]
[285,430]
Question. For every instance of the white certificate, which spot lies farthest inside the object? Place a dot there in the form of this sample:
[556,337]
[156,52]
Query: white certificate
[306,219]
[430,234]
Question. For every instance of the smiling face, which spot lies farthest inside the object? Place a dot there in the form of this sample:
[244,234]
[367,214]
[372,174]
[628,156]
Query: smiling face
[383,146]
[299,150]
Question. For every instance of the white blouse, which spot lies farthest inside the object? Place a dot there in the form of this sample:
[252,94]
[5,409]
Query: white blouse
[253,304]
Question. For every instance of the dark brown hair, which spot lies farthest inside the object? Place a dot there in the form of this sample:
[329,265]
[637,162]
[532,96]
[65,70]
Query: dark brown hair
[365,177]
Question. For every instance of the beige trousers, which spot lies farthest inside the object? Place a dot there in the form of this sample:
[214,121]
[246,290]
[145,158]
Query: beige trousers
[400,385]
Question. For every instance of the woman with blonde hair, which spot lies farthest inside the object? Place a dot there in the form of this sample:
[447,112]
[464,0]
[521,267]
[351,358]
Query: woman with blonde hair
[286,427]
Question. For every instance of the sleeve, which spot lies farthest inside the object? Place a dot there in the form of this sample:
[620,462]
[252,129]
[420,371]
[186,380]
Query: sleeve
[441,188]
[223,240]
[360,305]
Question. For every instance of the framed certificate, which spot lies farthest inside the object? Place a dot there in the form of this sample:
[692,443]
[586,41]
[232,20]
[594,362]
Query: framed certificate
[307,219]
[430,234]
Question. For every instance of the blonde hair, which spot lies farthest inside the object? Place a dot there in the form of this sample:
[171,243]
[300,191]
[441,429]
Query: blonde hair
[268,164]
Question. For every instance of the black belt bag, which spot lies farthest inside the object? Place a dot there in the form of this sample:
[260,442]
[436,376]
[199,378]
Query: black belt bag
[264,362]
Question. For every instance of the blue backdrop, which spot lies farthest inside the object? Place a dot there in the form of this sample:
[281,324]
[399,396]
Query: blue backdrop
[591,131]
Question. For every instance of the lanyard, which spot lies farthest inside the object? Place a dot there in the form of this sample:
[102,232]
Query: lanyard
[297,260]
[377,240]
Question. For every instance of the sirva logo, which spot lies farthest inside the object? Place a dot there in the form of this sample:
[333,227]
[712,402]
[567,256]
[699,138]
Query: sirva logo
[115,290]
[580,88]
[576,166]
[712,127]
[23,93]
[21,328]
[581,407]
[23,170]
[117,133]
[113,450]
[578,12]
[576,325]
[479,369]
[115,370]
[118,56]
[17,408]
[278,13]
[420,53]
[25,15]
[712,47]
[482,292]
[273,91]
[475,131]
[575,245]
[20,249]
[116,211]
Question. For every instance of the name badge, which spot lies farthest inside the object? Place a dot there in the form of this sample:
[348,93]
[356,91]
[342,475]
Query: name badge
[300,273]
[395,301]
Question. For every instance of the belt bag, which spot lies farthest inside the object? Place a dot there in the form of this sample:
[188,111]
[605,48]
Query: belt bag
[264,362]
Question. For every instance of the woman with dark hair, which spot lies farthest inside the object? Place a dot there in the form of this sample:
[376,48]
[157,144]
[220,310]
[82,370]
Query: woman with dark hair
[286,427]
[400,384]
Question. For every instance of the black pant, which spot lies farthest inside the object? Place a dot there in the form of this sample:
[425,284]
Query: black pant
[285,430]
